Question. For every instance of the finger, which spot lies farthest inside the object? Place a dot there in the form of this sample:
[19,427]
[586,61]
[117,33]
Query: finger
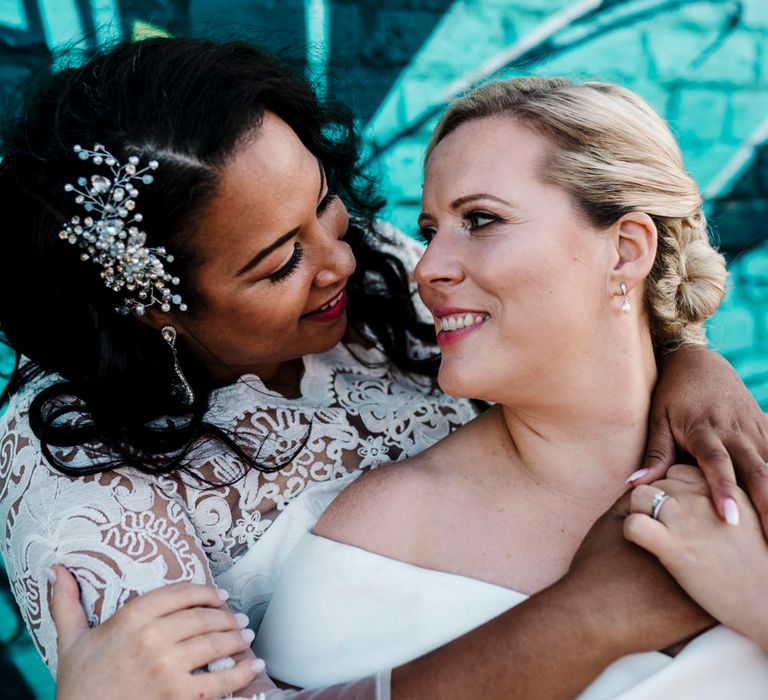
[199,651]
[649,534]
[710,453]
[642,501]
[220,684]
[753,471]
[193,622]
[68,614]
[687,473]
[660,452]
[169,599]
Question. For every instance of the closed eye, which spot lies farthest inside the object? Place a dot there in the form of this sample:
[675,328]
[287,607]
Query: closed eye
[326,201]
[289,267]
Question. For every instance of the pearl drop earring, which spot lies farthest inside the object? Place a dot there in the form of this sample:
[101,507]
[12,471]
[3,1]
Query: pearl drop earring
[625,305]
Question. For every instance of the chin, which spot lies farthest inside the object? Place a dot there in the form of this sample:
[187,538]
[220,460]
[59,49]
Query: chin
[457,384]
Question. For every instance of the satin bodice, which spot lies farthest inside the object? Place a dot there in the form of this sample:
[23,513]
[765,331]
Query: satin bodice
[339,613]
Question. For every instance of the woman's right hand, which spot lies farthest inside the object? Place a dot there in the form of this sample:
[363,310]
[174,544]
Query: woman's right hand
[151,646]
[637,602]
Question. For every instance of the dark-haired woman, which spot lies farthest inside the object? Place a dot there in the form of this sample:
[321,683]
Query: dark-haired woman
[203,333]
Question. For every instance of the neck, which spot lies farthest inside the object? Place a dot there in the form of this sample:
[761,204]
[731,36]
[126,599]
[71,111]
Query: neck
[585,430]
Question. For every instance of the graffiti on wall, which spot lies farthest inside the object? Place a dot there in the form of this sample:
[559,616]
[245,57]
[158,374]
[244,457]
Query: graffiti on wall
[702,63]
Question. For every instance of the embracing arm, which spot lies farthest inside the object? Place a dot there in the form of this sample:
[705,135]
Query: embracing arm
[702,407]
[615,600]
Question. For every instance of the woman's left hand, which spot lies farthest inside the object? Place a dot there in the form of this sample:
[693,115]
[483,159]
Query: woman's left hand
[723,567]
[702,406]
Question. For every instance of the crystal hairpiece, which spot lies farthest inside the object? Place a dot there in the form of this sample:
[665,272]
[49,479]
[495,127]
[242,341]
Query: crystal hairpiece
[109,236]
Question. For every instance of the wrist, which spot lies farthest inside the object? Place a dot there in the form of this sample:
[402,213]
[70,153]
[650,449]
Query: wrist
[592,626]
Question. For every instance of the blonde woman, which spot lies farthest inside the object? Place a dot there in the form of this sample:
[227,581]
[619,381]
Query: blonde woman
[566,245]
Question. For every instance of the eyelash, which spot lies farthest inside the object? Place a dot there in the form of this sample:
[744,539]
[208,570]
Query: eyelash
[295,259]
[289,267]
[326,201]
[425,235]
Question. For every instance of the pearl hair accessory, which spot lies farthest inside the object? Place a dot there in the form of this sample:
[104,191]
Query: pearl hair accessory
[109,237]
[625,305]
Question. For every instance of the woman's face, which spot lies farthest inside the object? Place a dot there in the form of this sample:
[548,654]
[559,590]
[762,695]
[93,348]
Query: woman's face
[275,265]
[515,278]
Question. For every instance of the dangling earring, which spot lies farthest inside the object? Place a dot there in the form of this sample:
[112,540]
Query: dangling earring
[181,388]
[625,305]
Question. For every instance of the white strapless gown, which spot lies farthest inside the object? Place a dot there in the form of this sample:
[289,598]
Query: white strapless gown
[336,613]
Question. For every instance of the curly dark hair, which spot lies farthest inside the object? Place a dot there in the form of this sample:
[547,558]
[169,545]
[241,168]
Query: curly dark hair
[186,103]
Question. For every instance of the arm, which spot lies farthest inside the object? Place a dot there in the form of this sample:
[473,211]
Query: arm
[615,600]
[708,557]
[702,406]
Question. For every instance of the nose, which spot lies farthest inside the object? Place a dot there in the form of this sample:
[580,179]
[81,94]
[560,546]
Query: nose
[336,260]
[441,264]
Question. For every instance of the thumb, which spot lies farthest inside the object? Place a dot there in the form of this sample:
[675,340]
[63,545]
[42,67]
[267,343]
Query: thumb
[660,452]
[68,614]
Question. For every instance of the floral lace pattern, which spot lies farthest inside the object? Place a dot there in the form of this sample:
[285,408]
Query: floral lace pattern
[123,533]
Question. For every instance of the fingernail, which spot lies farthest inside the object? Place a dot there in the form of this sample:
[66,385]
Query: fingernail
[223,595]
[731,511]
[258,665]
[242,620]
[639,474]
[51,574]
[248,635]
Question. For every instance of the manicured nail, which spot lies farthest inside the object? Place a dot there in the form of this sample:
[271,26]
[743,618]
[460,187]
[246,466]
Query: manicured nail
[242,620]
[731,511]
[51,574]
[248,635]
[258,665]
[223,595]
[639,474]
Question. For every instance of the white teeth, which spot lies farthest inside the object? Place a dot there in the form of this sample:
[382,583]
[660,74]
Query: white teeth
[453,323]
[331,303]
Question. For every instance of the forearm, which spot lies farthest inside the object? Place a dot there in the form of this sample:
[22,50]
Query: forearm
[547,648]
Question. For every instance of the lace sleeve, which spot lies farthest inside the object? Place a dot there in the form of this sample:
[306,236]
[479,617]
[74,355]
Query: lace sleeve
[119,533]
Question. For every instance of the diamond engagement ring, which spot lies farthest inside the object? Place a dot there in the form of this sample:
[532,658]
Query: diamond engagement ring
[657,503]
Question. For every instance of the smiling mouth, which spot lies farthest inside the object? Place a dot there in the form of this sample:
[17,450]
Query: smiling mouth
[455,322]
[331,303]
[331,310]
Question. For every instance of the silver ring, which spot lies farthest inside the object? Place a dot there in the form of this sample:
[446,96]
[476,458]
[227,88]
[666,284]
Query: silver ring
[657,503]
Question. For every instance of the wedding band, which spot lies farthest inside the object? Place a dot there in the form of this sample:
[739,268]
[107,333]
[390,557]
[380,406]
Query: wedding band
[657,503]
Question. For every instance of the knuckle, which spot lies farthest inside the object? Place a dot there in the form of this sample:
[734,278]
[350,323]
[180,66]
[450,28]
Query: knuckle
[640,493]
[715,455]
[655,453]
[759,472]
[632,526]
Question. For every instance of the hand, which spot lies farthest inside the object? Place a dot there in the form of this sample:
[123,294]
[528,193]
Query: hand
[701,404]
[149,648]
[723,567]
[637,603]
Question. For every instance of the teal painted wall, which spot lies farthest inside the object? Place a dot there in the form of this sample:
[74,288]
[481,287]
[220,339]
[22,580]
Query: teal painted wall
[702,63]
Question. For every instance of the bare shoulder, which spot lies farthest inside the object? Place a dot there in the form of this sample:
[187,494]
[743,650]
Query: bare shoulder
[380,511]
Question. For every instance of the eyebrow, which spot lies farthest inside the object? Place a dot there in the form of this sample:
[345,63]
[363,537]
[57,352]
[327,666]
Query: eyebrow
[456,203]
[282,240]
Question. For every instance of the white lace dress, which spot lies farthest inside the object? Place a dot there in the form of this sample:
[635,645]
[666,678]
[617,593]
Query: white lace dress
[123,533]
